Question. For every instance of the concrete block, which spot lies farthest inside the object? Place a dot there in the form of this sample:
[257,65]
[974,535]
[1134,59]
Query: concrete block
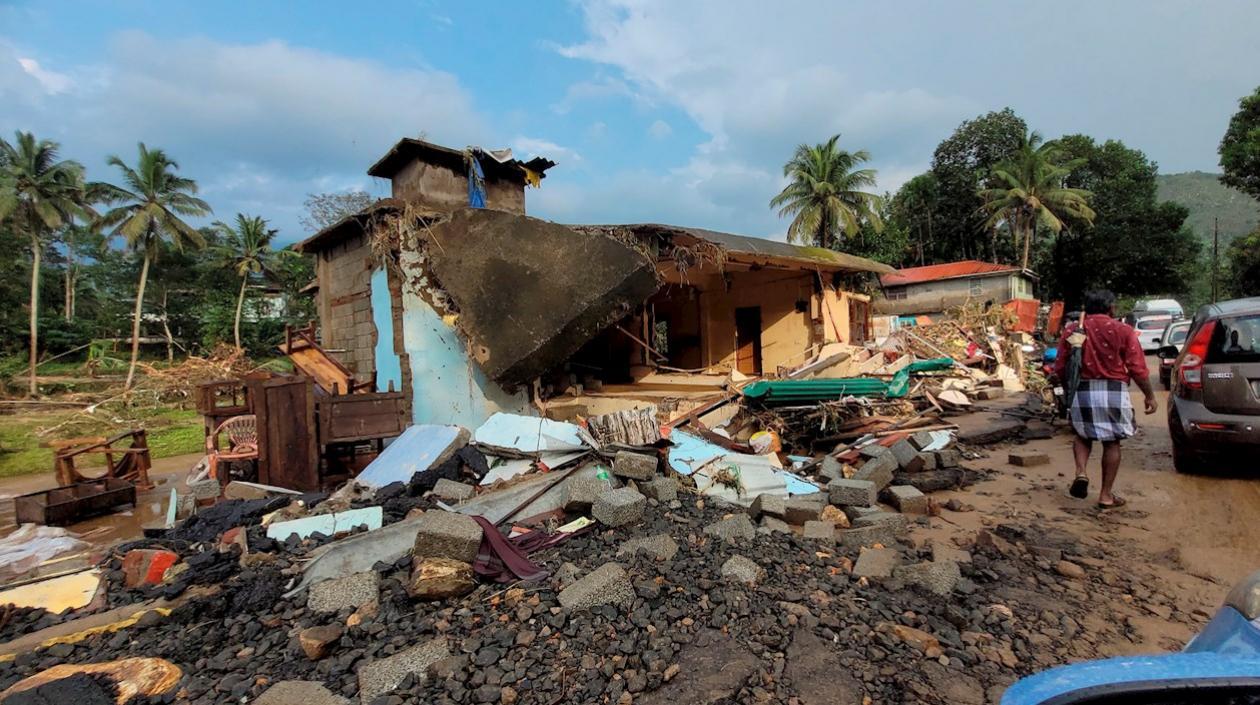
[606,585]
[899,522]
[948,458]
[771,524]
[936,578]
[662,547]
[942,554]
[351,591]
[852,493]
[878,470]
[925,461]
[662,489]
[635,466]
[798,510]
[453,491]
[1027,458]
[883,534]
[820,530]
[876,562]
[921,440]
[831,468]
[907,499]
[743,570]
[905,452]
[872,451]
[774,505]
[619,507]
[732,528]
[206,489]
[581,492]
[856,512]
[299,693]
[383,675]
[447,535]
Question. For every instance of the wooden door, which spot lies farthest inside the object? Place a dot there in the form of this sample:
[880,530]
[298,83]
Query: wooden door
[287,452]
[859,314]
[748,340]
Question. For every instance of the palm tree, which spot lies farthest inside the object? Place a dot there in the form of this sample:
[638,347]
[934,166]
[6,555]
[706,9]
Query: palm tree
[38,193]
[154,199]
[1027,192]
[247,249]
[823,193]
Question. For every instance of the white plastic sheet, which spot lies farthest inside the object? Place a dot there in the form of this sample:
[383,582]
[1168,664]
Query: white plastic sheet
[31,545]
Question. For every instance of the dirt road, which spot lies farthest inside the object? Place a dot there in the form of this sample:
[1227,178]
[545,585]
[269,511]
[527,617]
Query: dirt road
[1191,537]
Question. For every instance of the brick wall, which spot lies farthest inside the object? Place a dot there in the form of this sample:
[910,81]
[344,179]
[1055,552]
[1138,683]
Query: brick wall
[346,307]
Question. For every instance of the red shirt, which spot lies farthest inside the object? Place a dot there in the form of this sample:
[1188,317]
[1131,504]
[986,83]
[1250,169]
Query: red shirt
[1111,350]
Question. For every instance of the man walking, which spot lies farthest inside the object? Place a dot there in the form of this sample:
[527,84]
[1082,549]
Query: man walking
[1110,358]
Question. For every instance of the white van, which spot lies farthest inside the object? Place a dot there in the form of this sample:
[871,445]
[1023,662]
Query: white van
[1169,305]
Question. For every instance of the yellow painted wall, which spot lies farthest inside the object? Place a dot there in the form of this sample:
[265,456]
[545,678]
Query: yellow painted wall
[785,332]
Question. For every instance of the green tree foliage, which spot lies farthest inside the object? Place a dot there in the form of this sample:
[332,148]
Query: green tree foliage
[1138,245]
[824,194]
[1240,147]
[154,200]
[247,251]
[885,240]
[1244,266]
[960,168]
[39,193]
[1028,195]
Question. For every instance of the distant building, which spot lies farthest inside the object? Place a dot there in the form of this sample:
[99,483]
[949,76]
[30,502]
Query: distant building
[936,288]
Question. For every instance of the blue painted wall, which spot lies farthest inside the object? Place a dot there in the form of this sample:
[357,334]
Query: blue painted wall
[388,363]
[447,386]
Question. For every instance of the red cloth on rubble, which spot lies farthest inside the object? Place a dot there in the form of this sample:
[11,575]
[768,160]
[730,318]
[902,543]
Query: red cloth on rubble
[504,561]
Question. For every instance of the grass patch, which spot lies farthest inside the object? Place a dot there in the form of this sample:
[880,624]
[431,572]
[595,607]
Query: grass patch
[171,431]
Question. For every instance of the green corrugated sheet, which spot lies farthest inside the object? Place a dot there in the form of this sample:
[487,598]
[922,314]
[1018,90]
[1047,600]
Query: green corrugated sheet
[809,391]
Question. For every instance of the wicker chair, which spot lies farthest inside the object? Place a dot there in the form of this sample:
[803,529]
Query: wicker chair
[241,434]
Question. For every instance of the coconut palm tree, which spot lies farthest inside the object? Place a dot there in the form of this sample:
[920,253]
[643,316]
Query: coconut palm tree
[247,249]
[38,194]
[153,200]
[824,193]
[1027,193]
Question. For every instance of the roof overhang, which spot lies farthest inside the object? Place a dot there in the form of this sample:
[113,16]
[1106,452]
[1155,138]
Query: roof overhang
[408,149]
[349,226]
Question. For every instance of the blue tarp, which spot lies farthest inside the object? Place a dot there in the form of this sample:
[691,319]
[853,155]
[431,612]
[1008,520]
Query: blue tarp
[476,184]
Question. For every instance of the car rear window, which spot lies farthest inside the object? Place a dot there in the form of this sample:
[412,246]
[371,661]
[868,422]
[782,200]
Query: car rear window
[1236,339]
[1178,335]
[1152,323]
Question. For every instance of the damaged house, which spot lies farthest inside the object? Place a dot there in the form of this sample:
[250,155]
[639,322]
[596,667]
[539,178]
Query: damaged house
[446,290]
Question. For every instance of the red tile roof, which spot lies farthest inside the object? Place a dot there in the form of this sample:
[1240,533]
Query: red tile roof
[949,270]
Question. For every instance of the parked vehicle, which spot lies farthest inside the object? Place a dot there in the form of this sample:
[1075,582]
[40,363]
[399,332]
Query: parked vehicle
[1169,305]
[1220,666]
[1214,406]
[1174,336]
[1149,325]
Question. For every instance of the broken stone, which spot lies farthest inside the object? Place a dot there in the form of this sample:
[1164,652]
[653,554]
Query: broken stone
[882,533]
[661,547]
[567,574]
[383,675]
[1027,458]
[916,638]
[581,492]
[661,489]
[1036,429]
[878,471]
[743,569]
[942,553]
[798,510]
[769,523]
[1054,555]
[351,591]
[365,613]
[872,451]
[619,507]
[317,642]
[447,535]
[831,469]
[1069,569]
[876,562]
[606,585]
[852,493]
[820,530]
[936,578]
[731,528]
[147,566]
[299,693]
[206,489]
[921,440]
[835,516]
[906,499]
[440,578]
[949,458]
[899,522]
[635,466]
[774,505]
[854,513]
[453,491]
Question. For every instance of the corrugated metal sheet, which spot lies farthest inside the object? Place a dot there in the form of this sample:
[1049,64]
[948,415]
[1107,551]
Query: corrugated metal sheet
[949,270]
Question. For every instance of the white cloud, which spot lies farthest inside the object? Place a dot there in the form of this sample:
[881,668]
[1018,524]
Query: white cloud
[52,81]
[659,130]
[530,147]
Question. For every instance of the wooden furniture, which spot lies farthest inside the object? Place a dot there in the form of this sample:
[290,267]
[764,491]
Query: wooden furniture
[313,361]
[67,505]
[241,433]
[221,400]
[288,453]
[129,463]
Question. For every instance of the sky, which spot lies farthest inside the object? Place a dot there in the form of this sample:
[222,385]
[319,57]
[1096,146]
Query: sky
[654,110]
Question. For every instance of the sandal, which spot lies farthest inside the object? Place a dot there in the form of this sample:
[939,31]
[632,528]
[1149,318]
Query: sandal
[1116,501]
[1079,488]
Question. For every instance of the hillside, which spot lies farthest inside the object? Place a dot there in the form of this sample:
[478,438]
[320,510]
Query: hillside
[1206,197]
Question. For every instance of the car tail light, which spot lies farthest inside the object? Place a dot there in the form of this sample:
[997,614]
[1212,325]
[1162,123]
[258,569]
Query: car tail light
[1191,369]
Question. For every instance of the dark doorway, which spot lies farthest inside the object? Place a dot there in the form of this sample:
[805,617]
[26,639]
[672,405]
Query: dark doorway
[748,340]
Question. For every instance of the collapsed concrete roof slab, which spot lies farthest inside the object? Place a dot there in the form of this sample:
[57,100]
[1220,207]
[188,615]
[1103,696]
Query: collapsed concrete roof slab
[530,292]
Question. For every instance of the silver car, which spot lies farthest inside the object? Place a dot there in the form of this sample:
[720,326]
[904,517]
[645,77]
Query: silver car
[1174,336]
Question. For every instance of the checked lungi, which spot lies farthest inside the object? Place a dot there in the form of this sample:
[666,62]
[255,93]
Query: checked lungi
[1102,410]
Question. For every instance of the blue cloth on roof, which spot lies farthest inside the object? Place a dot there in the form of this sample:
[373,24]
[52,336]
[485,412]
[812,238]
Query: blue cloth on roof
[476,183]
